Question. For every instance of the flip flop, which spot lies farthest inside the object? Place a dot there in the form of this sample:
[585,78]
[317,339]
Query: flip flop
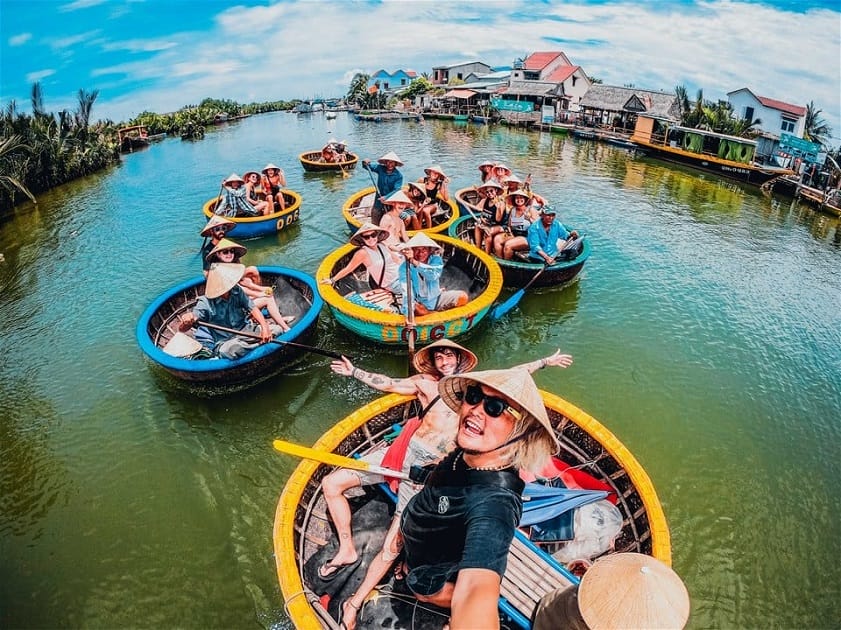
[336,569]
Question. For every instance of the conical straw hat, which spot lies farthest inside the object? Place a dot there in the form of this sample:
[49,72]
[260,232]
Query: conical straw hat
[425,364]
[217,220]
[391,156]
[422,240]
[270,166]
[233,177]
[356,239]
[181,345]
[224,243]
[491,183]
[437,169]
[632,590]
[222,277]
[517,384]
[398,196]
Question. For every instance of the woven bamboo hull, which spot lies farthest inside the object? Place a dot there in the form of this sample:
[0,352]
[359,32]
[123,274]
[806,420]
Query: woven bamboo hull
[359,205]
[302,527]
[311,161]
[517,274]
[255,227]
[296,296]
[466,268]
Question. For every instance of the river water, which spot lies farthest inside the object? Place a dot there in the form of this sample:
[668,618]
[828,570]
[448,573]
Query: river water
[706,331]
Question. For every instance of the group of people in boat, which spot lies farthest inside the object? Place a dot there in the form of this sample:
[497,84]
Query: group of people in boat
[234,300]
[449,536]
[515,223]
[335,151]
[253,195]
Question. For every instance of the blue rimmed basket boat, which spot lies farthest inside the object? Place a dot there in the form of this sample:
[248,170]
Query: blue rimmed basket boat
[465,267]
[312,162]
[518,273]
[357,210]
[303,538]
[255,227]
[296,295]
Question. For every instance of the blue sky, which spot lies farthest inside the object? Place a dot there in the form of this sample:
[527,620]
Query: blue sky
[160,55]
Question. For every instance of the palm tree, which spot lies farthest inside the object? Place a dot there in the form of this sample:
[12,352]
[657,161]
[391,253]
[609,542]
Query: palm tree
[358,91]
[38,100]
[83,114]
[9,180]
[816,129]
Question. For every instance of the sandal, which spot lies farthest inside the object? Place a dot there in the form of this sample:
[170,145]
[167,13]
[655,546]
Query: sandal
[333,569]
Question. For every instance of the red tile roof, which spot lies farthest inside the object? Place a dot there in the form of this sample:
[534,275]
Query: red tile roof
[459,94]
[561,74]
[539,60]
[794,110]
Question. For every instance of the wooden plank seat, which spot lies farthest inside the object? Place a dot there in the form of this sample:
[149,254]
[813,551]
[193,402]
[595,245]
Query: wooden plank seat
[530,574]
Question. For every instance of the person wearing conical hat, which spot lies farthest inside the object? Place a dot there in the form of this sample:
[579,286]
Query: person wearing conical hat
[423,256]
[435,183]
[520,216]
[395,205]
[228,251]
[494,214]
[253,189]
[224,303]
[424,440]
[486,170]
[216,228]
[233,202]
[389,179]
[379,260]
[458,529]
[273,182]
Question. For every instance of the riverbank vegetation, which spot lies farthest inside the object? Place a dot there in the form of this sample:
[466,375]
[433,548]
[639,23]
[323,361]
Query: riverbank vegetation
[44,149]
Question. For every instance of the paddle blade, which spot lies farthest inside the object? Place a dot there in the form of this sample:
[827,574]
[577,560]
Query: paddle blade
[331,459]
[501,309]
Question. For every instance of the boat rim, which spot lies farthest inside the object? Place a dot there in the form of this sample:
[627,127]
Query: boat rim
[295,205]
[438,229]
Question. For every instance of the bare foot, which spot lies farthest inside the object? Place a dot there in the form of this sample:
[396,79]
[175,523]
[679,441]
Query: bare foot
[350,611]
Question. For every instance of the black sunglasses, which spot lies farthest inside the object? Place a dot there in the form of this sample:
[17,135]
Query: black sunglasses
[493,405]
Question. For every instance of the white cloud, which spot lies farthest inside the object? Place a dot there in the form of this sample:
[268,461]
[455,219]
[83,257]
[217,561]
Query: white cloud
[139,45]
[65,43]
[20,40]
[32,77]
[79,4]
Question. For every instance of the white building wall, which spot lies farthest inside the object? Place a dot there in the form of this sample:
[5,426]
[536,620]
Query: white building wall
[772,119]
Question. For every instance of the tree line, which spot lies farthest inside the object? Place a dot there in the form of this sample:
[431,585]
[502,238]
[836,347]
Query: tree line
[42,150]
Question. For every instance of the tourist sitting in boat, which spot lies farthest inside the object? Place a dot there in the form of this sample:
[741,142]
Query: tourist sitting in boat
[389,179]
[420,208]
[328,154]
[500,171]
[515,236]
[381,262]
[340,149]
[456,556]
[214,231]
[253,192]
[423,255]
[225,304]
[424,439]
[494,214]
[274,180]
[234,200]
[395,204]
[227,251]
[548,237]
[486,170]
[435,184]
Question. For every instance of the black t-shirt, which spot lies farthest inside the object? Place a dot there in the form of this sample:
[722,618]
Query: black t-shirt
[462,519]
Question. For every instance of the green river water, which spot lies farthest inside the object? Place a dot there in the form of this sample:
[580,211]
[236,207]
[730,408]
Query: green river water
[706,331]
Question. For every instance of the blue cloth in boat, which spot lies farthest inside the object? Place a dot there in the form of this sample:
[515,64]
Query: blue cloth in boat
[426,287]
[231,313]
[546,241]
[387,183]
[234,203]
[462,519]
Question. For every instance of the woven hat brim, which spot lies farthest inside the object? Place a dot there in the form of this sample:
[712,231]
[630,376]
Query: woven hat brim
[423,362]
[222,277]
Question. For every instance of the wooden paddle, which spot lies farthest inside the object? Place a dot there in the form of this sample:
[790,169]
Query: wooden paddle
[511,302]
[325,457]
[410,315]
[243,333]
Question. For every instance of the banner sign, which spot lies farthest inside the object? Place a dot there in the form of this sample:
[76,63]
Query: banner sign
[512,106]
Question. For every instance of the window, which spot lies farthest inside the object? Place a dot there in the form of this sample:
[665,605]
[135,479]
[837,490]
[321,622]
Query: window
[574,79]
[459,75]
[788,124]
[748,115]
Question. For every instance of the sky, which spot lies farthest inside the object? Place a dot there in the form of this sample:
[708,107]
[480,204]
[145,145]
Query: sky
[159,55]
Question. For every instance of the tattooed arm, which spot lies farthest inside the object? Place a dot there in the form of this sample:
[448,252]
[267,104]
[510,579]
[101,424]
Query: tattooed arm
[381,382]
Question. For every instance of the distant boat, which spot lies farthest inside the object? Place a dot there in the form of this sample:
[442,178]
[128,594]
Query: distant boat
[728,156]
[330,115]
[131,138]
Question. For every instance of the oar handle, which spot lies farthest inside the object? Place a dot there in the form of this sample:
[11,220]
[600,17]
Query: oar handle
[332,459]
[251,335]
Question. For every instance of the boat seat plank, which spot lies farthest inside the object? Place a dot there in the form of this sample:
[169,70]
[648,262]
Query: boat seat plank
[528,577]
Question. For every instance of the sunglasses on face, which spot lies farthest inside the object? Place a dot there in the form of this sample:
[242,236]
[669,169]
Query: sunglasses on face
[493,405]
[370,235]
[225,252]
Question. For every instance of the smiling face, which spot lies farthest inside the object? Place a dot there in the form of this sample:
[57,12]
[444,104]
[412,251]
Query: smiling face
[390,165]
[479,429]
[226,255]
[446,360]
